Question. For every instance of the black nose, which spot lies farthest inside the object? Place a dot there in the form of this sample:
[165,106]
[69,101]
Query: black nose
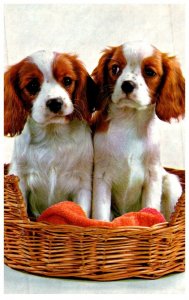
[128,86]
[54,104]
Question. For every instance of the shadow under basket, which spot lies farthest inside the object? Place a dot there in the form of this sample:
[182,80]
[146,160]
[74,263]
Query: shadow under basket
[92,253]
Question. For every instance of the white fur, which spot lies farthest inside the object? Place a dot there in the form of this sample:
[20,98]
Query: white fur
[52,157]
[127,170]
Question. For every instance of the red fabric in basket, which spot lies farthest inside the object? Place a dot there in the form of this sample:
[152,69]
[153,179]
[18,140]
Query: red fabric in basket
[70,213]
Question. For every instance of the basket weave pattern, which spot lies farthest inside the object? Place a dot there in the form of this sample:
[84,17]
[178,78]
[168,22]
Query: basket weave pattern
[92,252]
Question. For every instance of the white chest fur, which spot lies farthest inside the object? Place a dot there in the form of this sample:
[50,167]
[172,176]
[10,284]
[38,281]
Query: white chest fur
[123,155]
[55,163]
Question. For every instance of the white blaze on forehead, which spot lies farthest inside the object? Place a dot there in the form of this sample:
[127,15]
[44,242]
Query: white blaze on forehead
[44,60]
[137,51]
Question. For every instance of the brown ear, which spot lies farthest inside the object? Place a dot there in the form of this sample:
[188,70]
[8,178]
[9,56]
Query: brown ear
[171,96]
[15,114]
[85,92]
[100,76]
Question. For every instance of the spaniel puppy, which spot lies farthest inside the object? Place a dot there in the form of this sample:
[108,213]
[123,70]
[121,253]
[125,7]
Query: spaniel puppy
[48,102]
[137,83]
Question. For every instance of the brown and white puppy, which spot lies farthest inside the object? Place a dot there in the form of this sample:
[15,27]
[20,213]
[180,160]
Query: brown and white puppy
[137,83]
[49,103]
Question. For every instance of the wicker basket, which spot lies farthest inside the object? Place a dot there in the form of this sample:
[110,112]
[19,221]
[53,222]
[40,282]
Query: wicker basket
[92,253]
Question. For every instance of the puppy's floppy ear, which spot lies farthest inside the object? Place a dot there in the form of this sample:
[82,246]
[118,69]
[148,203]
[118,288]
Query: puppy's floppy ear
[99,72]
[85,93]
[15,115]
[100,75]
[171,95]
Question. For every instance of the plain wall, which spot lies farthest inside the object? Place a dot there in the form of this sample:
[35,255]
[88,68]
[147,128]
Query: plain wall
[88,29]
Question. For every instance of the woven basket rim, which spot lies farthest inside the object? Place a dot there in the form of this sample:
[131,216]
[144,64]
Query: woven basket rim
[46,225]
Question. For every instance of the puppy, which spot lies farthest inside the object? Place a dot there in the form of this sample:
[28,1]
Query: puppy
[137,83]
[48,103]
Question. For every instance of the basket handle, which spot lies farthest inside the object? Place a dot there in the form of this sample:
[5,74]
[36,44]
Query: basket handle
[178,216]
[14,203]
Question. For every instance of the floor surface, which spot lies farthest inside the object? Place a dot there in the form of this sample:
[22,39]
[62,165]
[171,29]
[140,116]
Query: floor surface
[17,282]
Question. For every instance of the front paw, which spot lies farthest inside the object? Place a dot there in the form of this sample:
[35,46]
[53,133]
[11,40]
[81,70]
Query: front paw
[101,215]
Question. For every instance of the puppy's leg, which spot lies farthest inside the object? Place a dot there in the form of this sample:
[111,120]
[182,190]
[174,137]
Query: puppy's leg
[83,198]
[171,192]
[101,209]
[152,189]
[24,190]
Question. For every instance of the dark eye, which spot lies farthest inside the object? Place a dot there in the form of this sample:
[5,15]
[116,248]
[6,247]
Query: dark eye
[149,72]
[67,81]
[115,69]
[33,87]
